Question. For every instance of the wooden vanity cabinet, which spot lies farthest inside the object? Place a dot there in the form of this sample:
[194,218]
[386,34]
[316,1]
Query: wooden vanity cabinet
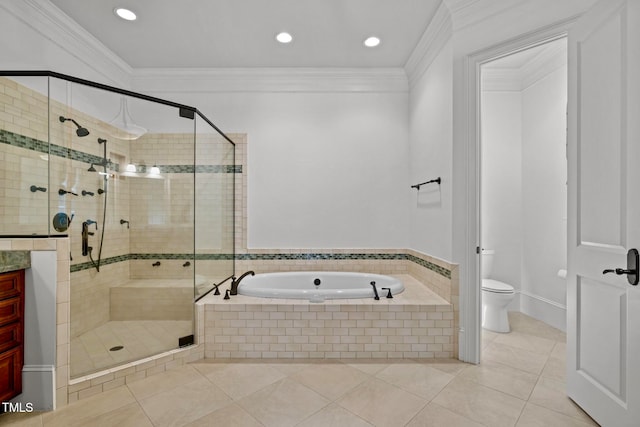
[11,333]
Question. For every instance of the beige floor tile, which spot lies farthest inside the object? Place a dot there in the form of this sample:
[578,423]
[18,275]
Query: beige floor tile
[556,366]
[527,342]
[240,379]
[229,416]
[131,415]
[370,367]
[330,380]
[552,395]
[528,325]
[290,367]
[480,403]
[536,416]
[334,416]
[163,382]
[449,366]
[184,404]
[284,403]
[501,377]
[514,357]
[382,404]
[487,337]
[419,379]
[78,412]
[434,415]
[21,419]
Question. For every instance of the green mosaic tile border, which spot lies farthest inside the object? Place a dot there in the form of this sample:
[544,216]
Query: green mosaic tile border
[431,266]
[269,257]
[21,141]
[319,256]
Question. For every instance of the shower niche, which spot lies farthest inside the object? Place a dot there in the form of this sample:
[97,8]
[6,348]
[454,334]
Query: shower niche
[144,190]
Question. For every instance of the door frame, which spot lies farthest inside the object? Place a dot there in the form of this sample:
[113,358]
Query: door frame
[470,296]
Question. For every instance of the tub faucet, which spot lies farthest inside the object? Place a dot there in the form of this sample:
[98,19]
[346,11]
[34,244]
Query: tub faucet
[235,282]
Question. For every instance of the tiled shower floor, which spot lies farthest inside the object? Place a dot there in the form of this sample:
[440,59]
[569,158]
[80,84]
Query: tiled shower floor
[90,352]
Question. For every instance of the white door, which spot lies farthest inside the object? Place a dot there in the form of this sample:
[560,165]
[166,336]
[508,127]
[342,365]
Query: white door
[603,324]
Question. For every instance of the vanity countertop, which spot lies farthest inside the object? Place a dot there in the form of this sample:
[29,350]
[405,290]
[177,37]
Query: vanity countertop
[14,260]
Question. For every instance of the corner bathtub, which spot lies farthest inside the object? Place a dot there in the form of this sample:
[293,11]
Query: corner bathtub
[333,285]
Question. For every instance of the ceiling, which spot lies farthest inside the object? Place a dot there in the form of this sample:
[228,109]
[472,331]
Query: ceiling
[241,33]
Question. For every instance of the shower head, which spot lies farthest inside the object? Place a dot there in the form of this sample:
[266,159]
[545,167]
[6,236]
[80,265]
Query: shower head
[91,168]
[80,131]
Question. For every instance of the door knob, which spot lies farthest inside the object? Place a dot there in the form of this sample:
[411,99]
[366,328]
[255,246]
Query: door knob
[632,267]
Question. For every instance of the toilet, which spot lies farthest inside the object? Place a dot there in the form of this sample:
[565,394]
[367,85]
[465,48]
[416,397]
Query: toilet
[496,296]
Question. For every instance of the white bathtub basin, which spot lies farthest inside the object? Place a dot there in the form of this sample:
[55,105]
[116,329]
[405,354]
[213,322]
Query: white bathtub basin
[333,285]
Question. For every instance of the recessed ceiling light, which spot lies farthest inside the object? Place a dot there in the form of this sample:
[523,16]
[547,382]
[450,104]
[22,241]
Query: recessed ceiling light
[284,37]
[372,42]
[125,14]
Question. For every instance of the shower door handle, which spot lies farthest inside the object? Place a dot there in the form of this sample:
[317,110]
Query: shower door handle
[633,260]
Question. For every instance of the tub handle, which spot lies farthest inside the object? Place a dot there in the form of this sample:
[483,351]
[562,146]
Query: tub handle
[226,294]
[375,291]
[388,292]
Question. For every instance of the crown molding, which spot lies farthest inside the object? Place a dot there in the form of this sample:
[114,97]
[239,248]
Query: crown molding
[466,13]
[531,72]
[437,34]
[548,61]
[188,80]
[54,25]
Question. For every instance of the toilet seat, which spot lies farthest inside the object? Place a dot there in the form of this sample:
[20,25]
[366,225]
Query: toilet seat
[496,286]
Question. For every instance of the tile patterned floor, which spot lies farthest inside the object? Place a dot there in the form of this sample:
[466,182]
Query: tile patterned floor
[140,338]
[520,383]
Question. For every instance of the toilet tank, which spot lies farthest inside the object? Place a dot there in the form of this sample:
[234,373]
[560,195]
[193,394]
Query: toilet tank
[486,263]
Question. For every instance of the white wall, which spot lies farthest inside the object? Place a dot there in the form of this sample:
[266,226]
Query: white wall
[430,133]
[544,177]
[501,180]
[325,169]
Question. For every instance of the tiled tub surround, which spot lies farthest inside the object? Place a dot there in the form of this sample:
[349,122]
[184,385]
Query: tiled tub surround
[438,276]
[416,323]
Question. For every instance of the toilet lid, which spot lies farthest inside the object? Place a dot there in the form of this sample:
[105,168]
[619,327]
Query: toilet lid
[496,286]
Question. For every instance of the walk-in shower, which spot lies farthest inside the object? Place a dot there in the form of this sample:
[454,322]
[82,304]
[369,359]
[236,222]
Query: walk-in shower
[153,227]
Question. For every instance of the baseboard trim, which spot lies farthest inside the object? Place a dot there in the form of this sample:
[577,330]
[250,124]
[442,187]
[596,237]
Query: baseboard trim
[38,387]
[546,310]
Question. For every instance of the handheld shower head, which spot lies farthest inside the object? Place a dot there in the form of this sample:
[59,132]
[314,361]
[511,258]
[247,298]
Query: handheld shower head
[80,131]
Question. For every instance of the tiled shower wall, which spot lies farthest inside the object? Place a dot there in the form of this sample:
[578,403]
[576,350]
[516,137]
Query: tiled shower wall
[160,211]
